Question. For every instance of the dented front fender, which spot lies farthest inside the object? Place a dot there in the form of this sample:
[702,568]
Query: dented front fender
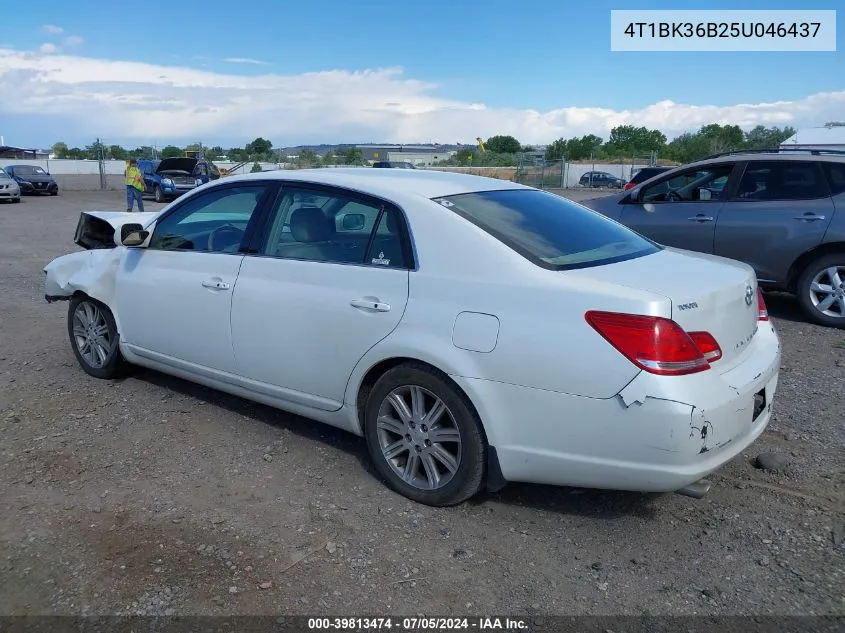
[92,272]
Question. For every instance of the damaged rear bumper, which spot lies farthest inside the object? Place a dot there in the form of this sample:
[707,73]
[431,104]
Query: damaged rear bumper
[661,434]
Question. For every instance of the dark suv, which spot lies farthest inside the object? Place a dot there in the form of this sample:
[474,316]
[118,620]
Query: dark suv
[601,179]
[781,212]
[646,173]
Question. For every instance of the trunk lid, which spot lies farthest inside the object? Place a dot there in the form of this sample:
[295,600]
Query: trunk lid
[708,294]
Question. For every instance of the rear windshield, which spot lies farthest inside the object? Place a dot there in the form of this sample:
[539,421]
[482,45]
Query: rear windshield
[549,230]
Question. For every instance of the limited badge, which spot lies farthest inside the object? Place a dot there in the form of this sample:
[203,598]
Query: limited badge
[380,260]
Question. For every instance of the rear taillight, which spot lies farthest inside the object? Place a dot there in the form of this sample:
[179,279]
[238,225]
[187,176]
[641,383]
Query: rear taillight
[657,345]
[629,185]
[762,311]
[707,345]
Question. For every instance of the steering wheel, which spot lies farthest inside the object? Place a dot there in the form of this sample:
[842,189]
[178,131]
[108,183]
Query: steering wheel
[226,229]
[673,196]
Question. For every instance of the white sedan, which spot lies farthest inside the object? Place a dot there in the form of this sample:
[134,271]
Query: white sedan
[9,189]
[473,330]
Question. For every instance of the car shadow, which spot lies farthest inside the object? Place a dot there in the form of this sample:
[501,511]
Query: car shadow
[785,307]
[581,502]
[304,427]
[588,503]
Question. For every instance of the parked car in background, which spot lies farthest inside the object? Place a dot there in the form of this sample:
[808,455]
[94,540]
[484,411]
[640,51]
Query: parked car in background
[641,175]
[601,179]
[33,179]
[9,189]
[393,164]
[783,213]
[333,294]
[169,178]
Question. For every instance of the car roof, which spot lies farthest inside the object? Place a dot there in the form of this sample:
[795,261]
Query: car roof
[767,156]
[388,182]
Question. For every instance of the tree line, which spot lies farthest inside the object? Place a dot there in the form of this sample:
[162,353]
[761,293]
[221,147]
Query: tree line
[624,142]
[629,141]
[258,150]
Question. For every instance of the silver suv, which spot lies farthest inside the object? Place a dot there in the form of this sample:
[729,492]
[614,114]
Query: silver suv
[781,212]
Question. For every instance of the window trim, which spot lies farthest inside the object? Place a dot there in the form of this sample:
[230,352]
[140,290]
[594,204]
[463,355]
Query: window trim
[746,164]
[255,218]
[723,196]
[262,232]
[519,250]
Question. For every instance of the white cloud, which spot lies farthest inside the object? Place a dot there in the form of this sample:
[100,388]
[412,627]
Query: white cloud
[135,101]
[52,29]
[245,60]
[74,40]
[48,49]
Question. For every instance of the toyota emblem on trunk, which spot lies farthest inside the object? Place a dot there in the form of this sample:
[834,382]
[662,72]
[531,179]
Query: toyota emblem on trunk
[749,295]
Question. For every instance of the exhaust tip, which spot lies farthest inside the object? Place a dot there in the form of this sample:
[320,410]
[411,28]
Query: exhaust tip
[696,490]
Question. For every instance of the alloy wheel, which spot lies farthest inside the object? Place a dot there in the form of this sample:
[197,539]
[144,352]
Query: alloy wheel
[419,437]
[92,334]
[827,291]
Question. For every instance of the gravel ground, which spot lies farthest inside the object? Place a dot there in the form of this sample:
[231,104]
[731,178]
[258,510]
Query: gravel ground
[154,496]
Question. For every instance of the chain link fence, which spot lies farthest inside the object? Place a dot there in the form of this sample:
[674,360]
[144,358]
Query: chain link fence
[611,173]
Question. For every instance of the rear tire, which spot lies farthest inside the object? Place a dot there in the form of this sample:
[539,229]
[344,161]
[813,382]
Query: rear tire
[94,337]
[448,459]
[821,280]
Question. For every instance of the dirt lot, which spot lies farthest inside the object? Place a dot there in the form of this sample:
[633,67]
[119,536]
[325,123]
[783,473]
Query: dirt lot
[154,496]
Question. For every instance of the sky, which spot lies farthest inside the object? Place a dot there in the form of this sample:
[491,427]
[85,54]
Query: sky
[329,71]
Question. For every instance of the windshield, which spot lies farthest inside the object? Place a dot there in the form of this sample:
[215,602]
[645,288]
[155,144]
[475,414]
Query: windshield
[549,230]
[27,170]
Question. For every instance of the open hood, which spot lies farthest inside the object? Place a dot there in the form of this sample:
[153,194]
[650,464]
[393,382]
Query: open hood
[180,163]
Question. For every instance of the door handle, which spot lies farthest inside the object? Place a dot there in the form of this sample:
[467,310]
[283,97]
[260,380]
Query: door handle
[369,304]
[215,284]
[700,218]
[809,217]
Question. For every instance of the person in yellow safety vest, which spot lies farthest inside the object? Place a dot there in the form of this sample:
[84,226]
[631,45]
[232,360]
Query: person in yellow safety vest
[134,186]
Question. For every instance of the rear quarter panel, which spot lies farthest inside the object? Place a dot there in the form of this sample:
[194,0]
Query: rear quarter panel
[543,340]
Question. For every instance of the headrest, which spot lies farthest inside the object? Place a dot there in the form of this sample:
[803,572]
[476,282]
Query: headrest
[309,224]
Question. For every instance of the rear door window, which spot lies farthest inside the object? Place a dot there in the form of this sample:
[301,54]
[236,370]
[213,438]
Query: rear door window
[782,180]
[549,230]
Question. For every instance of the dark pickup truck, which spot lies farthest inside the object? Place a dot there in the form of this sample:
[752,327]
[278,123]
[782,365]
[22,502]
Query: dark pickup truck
[171,177]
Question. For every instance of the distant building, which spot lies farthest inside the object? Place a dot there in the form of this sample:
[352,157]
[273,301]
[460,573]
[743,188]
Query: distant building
[831,137]
[20,153]
[421,155]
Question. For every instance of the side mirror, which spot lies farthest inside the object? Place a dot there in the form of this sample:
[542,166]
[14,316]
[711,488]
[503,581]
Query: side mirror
[133,235]
[353,222]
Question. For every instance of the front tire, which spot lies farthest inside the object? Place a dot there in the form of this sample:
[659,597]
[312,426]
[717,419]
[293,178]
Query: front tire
[821,290]
[424,437]
[16,200]
[159,195]
[94,337]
